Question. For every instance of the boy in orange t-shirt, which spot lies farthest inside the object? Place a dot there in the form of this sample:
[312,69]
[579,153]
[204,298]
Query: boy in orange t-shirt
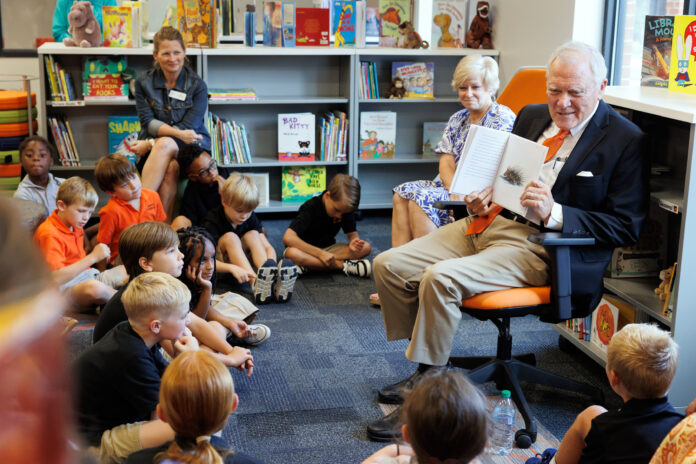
[129,204]
[61,240]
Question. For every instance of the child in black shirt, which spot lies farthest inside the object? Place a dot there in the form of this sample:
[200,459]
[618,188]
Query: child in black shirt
[310,238]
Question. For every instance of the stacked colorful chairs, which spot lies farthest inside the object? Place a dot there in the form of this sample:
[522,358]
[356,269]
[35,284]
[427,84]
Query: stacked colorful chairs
[13,129]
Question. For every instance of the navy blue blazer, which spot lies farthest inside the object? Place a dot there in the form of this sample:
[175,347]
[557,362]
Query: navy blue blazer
[609,206]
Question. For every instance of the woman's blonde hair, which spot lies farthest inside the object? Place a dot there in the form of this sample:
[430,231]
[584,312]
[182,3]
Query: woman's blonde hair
[477,66]
[240,190]
[168,33]
[196,396]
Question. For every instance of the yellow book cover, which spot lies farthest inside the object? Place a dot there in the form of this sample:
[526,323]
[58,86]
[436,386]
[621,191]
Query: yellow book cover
[302,182]
[682,77]
[197,23]
[118,26]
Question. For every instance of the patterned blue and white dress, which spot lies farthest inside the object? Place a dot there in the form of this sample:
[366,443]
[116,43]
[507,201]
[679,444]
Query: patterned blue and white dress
[427,192]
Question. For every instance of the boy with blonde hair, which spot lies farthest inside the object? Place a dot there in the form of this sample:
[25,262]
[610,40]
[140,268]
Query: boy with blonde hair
[118,378]
[129,204]
[238,232]
[61,240]
[641,363]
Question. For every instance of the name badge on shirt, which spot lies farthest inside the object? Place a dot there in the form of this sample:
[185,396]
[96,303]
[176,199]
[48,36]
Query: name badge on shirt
[175,94]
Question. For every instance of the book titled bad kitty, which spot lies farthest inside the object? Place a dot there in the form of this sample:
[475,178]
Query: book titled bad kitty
[296,137]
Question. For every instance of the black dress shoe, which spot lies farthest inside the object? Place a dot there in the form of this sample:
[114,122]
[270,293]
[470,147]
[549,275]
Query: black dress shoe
[394,394]
[387,428]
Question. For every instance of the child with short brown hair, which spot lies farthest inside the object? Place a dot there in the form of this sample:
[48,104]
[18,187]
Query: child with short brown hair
[310,238]
[129,204]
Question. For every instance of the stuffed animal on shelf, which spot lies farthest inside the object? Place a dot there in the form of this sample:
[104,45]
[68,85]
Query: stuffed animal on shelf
[83,26]
[397,89]
[479,34]
[443,21]
[409,38]
[662,291]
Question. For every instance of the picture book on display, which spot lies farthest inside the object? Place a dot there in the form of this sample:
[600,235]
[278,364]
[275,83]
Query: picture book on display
[449,24]
[505,161]
[312,27]
[102,79]
[372,22]
[122,132]
[417,78]
[392,13]
[605,322]
[117,26]
[300,183]
[261,181]
[137,20]
[197,22]
[272,24]
[682,70]
[657,50]
[288,21]
[296,134]
[377,134]
[432,134]
[344,24]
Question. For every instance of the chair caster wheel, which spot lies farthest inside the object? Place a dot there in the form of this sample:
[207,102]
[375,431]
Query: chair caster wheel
[524,439]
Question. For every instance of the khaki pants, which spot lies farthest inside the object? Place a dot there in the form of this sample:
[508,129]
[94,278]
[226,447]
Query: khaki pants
[422,283]
[118,443]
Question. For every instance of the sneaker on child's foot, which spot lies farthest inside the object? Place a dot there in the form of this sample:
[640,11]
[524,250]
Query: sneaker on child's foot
[301,270]
[263,285]
[259,334]
[357,267]
[285,281]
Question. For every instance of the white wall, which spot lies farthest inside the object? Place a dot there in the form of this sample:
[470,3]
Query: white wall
[25,66]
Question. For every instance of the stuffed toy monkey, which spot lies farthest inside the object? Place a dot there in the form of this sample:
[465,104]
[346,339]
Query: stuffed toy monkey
[479,34]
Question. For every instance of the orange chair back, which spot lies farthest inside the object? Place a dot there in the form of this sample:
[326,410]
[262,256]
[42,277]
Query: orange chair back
[527,86]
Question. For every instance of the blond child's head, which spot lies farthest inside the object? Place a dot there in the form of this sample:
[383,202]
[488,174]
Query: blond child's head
[446,418]
[158,302]
[644,358]
[116,175]
[240,196]
[141,244]
[75,202]
[196,397]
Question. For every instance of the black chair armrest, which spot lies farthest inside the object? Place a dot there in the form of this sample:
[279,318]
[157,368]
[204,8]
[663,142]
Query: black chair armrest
[458,207]
[558,247]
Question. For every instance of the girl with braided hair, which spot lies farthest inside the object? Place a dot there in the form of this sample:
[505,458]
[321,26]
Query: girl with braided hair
[198,247]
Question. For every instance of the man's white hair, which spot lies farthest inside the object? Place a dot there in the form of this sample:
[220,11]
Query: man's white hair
[598,67]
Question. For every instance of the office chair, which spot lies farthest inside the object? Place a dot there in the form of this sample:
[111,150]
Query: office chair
[551,304]
[526,87]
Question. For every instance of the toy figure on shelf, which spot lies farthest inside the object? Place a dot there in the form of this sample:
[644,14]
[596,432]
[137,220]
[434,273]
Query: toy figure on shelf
[409,38]
[479,34]
[397,89]
[443,21]
[83,26]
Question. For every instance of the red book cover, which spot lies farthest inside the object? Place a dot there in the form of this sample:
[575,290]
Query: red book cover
[312,27]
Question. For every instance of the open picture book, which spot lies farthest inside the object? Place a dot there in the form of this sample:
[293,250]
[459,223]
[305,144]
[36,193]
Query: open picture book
[505,161]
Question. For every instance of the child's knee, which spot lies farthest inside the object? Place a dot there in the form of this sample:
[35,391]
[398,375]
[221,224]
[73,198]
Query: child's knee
[366,250]
[181,222]
[230,239]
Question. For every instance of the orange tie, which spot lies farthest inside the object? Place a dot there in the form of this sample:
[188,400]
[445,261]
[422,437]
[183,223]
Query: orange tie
[480,223]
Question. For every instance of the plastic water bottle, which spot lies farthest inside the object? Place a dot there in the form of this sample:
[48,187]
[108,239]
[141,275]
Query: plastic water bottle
[503,419]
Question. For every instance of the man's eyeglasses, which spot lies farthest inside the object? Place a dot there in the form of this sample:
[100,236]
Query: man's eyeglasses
[209,170]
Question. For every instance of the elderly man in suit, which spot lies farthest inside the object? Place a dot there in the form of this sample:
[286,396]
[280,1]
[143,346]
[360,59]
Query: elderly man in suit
[594,182]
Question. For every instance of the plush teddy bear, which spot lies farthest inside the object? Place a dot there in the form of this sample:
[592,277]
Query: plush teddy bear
[83,26]
[397,89]
[662,291]
[409,38]
[479,34]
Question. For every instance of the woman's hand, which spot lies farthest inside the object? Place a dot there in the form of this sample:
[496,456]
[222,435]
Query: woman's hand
[140,147]
[189,136]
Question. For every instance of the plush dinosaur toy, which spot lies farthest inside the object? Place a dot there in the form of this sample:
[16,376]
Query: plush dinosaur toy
[83,26]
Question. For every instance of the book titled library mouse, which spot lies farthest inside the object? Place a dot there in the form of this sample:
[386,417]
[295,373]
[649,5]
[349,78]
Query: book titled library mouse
[505,161]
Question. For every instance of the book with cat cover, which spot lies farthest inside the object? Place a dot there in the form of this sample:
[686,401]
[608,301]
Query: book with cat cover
[117,26]
[657,50]
[392,13]
[417,78]
[449,24]
[300,183]
[312,27]
[344,24]
[197,22]
[122,132]
[432,135]
[296,137]
[377,134]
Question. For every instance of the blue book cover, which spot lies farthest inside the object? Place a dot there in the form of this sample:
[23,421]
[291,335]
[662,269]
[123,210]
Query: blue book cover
[344,23]
[122,132]
[288,28]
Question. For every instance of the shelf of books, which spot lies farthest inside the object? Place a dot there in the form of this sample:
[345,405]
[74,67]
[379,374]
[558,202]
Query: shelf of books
[640,292]
[585,346]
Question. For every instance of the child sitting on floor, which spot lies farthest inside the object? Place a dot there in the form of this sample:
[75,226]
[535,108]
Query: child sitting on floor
[196,397]
[153,247]
[641,362]
[129,203]
[446,421]
[202,191]
[39,185]
[238,231]
[198,248]
[61,240]
[310,238]
[118,378]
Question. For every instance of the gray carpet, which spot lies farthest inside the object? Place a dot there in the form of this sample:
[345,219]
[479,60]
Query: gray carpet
[315,383]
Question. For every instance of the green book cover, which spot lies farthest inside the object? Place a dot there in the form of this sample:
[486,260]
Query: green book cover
[300,183]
